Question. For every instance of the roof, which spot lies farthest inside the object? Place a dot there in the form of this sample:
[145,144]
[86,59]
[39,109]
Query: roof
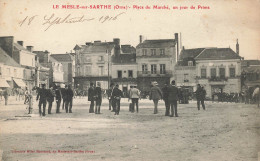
[190,53]
[250,62]
[63,57]
[20,47]
[128,49]
[159,43]
[51,59]
[217,54]
[124,59]
[98,47]
[7,60]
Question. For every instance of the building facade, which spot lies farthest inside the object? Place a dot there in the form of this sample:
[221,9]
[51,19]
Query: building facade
[155,61]
[23,56]
[93,63]
[11,73]
[219,71]
[68,64]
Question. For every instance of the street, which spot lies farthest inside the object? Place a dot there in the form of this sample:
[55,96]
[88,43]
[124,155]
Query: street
[224,131]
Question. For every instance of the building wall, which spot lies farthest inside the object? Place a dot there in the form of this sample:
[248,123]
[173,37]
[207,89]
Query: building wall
[124,68]
[185,76]
[27,58]
[9,72]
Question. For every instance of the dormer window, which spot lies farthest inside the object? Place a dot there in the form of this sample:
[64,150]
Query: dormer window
[153,51]
[144,52]
[190,63]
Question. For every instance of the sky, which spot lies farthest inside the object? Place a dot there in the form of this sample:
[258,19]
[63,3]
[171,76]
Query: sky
[219,26]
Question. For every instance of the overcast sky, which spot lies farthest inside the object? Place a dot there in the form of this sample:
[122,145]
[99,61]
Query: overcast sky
[220,26]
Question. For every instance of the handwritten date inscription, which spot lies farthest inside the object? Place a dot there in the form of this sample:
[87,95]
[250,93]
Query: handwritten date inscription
[51,20]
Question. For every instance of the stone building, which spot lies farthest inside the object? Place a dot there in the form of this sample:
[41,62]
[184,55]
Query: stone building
[155,61]
[250,76]
[218,70]
[185,69]
[55,69]
[11,73]
[68,64]
[93,63]
[124,68]
[23,56]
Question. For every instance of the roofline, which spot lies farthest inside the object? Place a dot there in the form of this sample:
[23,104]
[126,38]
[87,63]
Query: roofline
[202,60]
[200,53]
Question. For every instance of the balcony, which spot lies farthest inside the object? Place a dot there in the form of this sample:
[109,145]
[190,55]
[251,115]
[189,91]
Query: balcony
[166,73]
[218,79]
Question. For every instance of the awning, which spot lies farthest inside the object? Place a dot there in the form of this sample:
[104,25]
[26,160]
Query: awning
[3,83]
[19,82]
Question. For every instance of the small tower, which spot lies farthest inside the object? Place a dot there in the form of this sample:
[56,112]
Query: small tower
[237,48]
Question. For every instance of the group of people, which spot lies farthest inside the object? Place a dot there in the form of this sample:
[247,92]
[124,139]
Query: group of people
[47,96]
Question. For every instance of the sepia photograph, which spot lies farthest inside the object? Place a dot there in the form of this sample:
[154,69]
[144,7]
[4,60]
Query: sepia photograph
[134,80]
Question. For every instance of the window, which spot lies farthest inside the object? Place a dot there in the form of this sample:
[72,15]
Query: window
[153,51]
[203,73]
[119,74]
[222,73]
[87,70]
[190,63]
[130,74]
[186,77]
[162,52]
[87,59]
[15,72]
[162,68]
[100,70]
[213,72]
[232,72]
[144,52]
[153,69]
[100,58]
[144,69]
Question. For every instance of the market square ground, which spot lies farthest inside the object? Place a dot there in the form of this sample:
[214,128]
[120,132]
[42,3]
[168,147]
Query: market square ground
[225,131]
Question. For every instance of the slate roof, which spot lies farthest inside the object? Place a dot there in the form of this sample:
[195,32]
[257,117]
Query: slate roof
[101,47]
[19,47]
[124,59]
[217,54]
[7,60]
[128,49]
[63,57]
[159,43]
[251,69]
[190,53]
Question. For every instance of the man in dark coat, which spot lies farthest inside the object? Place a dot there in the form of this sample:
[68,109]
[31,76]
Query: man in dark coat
[50,98]
[109,94]
[58,98]
[68,98]
[91,97]
[173,98]
[200,96]
[165,98]
[116,95]
[43,93]
[63,97]
[98,93]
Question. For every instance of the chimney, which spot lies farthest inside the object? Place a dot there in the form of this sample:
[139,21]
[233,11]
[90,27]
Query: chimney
[177,45]
[183,48]
[237,48]
[88,43]
[117,46]
[20,43]
[29,48]
[7,44]
[141,38]
[97,42]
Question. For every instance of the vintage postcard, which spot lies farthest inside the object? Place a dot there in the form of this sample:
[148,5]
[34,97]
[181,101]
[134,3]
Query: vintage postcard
[174,80]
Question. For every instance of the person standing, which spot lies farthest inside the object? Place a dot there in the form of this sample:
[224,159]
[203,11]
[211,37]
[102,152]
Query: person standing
[256,95]
[68,98]
[6,96]
[63,96]
[58,98]
[131,109]
[109,94]
[135,95]
[165,98]
[98,92]
[155,95]
[173,98]
[50,98]
[43,93]
[91,97]
[26,95]
[116,95]
[200,95]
